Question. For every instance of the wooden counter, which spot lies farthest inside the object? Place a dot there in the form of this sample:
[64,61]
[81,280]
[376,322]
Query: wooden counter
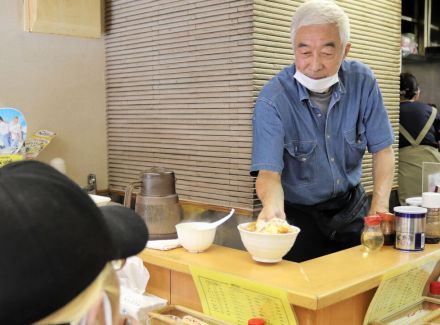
[333,289]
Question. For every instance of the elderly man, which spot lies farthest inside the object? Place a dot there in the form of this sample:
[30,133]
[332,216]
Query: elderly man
[312,123]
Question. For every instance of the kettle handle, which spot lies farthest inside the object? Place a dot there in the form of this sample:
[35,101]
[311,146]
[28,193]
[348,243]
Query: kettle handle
[128,191]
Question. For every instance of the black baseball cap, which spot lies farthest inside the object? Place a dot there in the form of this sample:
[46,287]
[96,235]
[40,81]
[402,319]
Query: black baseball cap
[54,240]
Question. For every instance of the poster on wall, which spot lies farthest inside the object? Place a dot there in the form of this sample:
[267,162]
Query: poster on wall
[13,133]
[82,18]
[13,130]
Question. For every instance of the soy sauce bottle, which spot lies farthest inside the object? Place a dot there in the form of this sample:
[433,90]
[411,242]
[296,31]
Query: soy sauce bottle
[388,228]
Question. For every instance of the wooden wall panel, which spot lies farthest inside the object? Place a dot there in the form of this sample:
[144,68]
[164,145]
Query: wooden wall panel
[180,95]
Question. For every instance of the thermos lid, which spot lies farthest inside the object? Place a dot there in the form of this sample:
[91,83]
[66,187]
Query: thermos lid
[410,211]
[386,216]
[431,200]
[372,220]
[158,181]
[434,287]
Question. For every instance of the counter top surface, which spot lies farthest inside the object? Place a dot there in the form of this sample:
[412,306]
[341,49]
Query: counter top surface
[313,284]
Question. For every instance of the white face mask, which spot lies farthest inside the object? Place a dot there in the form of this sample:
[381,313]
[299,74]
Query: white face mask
[316,85]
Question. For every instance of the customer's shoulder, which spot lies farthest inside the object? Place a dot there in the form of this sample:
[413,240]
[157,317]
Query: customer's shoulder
[414,111]
[279,84]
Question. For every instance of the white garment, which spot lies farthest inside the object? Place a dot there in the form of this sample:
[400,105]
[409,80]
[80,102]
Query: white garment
[316,85]
[4,128]
[15,130]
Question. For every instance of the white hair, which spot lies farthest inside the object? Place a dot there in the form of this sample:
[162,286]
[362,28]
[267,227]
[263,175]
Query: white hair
[316,12]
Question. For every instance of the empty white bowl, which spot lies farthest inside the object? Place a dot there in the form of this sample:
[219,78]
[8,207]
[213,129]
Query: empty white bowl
[100,200]
[414,201]
[195,237]
[267,248]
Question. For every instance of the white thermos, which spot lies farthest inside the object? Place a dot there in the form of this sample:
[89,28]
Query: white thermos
[431,201]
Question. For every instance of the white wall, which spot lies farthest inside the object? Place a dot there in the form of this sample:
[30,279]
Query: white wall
[58,83]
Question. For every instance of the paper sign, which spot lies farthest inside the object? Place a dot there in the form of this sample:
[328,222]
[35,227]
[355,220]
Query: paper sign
[38,141]
[401,288]
[6,159]
[236,300]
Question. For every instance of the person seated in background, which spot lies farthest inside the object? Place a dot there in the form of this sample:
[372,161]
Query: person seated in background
[418,139]
[59,250]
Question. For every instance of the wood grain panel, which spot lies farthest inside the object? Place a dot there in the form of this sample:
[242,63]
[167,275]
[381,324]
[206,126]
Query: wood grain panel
[184,292]
[180,95]
[159,283]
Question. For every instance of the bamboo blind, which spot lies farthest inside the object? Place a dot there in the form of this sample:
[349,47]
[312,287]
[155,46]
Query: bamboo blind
[183,75]
[180,96]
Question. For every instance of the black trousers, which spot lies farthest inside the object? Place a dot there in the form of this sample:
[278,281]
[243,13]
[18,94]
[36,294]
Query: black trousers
[327,227]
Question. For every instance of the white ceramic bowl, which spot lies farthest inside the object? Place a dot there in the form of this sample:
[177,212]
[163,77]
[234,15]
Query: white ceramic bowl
[194,237]
[100,200]
[414,201]
[267,248]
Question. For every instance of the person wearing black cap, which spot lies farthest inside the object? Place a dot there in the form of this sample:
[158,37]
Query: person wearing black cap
[57,247]
[419,136]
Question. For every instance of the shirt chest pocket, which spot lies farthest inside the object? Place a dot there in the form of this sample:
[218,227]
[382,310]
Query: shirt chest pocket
[300,162]
[355,144]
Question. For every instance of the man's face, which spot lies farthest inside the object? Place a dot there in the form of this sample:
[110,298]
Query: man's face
[318,50]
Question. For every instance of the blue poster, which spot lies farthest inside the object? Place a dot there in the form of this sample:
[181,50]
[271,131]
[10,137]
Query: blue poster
[13,130]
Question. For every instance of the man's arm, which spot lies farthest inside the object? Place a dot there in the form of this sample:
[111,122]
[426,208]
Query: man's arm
[383,174]
[271,194]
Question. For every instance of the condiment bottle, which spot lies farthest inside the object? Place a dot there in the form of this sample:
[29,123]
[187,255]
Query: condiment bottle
[431,201]
[372,237]
[256,321]
[434,289]
[388,228]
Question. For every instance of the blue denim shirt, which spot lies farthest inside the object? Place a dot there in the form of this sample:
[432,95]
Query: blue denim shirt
[319,156]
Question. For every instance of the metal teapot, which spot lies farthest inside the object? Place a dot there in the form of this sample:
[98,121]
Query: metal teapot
[157,203]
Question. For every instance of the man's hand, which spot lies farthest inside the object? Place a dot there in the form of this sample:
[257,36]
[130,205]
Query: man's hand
[271,194]
[268,213]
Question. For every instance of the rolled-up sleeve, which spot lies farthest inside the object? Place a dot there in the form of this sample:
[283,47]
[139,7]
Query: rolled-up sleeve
[268,138]
[378,127]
